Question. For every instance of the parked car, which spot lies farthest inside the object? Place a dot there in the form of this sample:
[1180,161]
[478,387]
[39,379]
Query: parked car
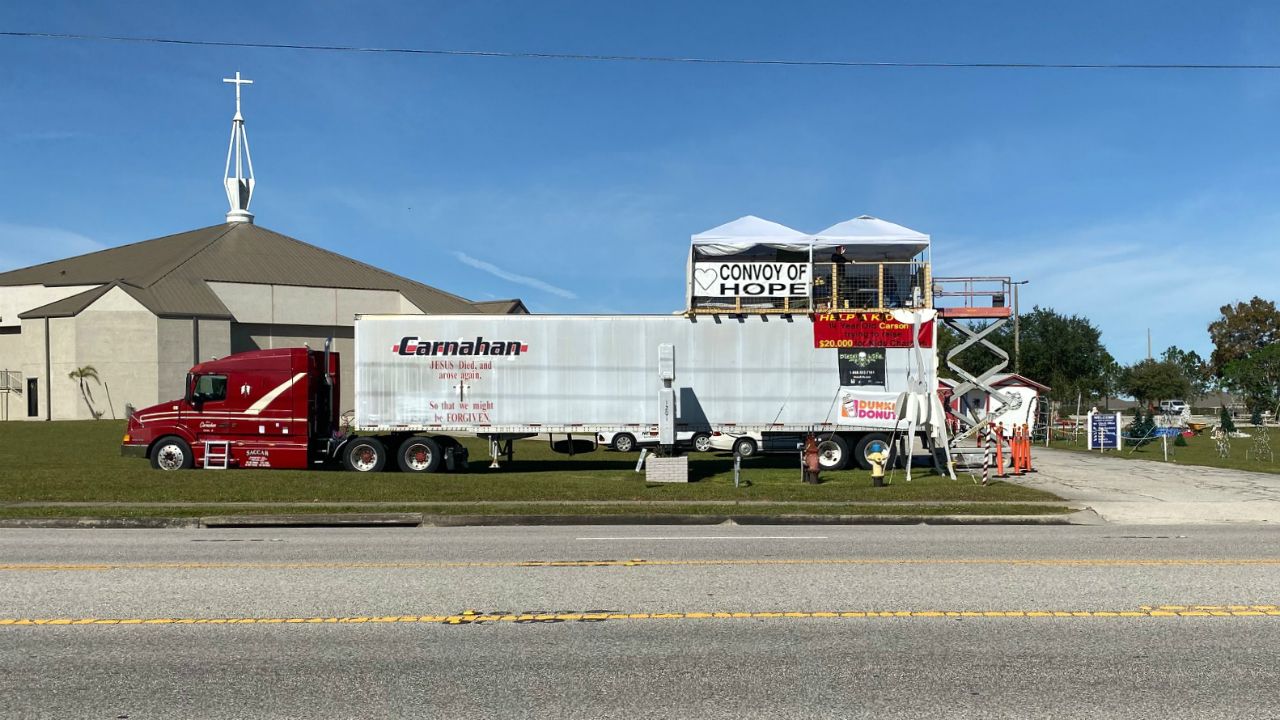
[743,444]
[630,441]
[1173,407]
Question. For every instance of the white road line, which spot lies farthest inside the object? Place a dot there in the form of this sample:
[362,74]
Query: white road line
[714,537]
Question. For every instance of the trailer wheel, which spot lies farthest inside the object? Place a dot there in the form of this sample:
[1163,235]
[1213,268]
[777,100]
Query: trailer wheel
[624,442]
[364,455]
[860,452]
[172,453]
[745,447]
[833,453]
[420,455]
[702,442]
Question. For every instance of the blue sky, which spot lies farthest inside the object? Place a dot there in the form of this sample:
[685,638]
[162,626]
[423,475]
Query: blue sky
[1141,199]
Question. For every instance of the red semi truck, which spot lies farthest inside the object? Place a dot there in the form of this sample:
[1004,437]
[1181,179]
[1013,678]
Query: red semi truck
[264,409]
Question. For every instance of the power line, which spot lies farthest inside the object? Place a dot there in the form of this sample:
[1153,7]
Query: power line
[792,62]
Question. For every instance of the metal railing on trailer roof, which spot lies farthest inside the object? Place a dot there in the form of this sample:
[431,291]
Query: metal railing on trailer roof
[974,297]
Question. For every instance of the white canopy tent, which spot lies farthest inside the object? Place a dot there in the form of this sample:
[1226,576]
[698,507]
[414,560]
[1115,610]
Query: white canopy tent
[866,239]
[746,233]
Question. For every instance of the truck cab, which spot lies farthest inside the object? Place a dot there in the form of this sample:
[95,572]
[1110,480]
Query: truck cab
[259,409]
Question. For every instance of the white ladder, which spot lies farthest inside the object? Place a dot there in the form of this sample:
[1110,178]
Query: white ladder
[217,453]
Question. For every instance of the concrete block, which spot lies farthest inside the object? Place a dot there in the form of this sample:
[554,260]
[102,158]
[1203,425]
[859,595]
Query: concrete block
[667,470]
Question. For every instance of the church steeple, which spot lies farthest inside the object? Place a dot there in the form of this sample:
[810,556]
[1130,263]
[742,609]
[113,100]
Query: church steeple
[239,187]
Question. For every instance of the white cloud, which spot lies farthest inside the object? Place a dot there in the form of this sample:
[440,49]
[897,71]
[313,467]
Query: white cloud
[1168,271]
[25,245]
[512,277]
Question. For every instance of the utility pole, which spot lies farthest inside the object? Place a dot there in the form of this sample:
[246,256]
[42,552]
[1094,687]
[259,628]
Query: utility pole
[1017,345]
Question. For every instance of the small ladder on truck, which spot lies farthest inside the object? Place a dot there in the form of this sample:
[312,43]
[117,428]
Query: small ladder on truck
[981,299]
[217,454]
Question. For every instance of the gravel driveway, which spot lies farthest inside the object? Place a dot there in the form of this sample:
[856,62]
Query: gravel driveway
[1157,493]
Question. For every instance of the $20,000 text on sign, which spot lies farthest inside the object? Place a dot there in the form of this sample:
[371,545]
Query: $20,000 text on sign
[866,330]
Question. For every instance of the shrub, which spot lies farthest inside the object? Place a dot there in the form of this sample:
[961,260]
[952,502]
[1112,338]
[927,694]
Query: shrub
[1224,419]
[1180,441]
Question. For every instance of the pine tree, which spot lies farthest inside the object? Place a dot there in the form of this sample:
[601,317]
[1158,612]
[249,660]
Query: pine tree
[1141,428]
[1225,421]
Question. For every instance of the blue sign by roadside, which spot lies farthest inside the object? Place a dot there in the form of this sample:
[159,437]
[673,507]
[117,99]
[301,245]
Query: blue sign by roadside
[1104,431]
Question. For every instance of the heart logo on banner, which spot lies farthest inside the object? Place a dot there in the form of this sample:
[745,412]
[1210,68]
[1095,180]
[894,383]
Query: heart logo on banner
[705,277]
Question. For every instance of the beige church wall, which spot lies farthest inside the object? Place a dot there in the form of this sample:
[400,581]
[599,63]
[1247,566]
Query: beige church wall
[303,305]
[31,363]
[11,351]
[407,307]
[215,339]
[173,357]
[13,405]
[248,302]
[17,299]
[116,335]
[246,337]
[366,302]
[65,402]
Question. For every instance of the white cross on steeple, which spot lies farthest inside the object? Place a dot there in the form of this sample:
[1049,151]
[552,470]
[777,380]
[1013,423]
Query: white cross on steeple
[239,186]
[237,82]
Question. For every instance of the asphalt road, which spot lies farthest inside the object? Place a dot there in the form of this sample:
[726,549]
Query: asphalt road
[724,621]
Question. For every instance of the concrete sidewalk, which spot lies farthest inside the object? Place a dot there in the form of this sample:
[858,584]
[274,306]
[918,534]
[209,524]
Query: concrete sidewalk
[1127,491]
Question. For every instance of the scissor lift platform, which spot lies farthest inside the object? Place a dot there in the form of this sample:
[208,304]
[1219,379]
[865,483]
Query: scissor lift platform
[959,300]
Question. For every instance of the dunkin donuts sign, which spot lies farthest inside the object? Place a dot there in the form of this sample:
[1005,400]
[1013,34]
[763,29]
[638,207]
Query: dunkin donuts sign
[853,408]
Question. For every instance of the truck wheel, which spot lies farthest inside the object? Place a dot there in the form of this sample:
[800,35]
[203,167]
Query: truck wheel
[624,442]
[420,454]
[702,442]
[745,447]
[833,453]
[860,451]
[172,453]
[364,455]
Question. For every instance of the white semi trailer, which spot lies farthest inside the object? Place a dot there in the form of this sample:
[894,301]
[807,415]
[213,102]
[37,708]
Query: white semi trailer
[505,377]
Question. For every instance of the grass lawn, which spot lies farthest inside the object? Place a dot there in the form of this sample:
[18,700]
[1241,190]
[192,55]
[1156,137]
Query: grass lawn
[80,462]
[1200,450]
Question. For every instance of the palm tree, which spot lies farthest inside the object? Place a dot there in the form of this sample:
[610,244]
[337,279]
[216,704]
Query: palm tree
[82,375]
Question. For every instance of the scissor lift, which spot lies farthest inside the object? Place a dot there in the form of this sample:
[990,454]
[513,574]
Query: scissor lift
[959,301]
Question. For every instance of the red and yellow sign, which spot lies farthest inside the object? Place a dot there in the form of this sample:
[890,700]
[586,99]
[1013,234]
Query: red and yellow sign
[866,330]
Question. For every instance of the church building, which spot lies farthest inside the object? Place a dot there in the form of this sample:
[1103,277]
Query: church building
[141,314]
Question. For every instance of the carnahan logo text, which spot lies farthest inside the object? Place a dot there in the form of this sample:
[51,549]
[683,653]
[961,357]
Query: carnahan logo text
[412,346]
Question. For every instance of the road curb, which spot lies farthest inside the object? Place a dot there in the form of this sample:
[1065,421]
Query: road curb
[1082,517]
[102,523]
[314,520]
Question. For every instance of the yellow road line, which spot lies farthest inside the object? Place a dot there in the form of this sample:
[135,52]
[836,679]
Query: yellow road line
[472,617]
[1016,562]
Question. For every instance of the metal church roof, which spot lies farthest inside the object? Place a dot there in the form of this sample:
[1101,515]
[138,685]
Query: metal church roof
[170,275]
